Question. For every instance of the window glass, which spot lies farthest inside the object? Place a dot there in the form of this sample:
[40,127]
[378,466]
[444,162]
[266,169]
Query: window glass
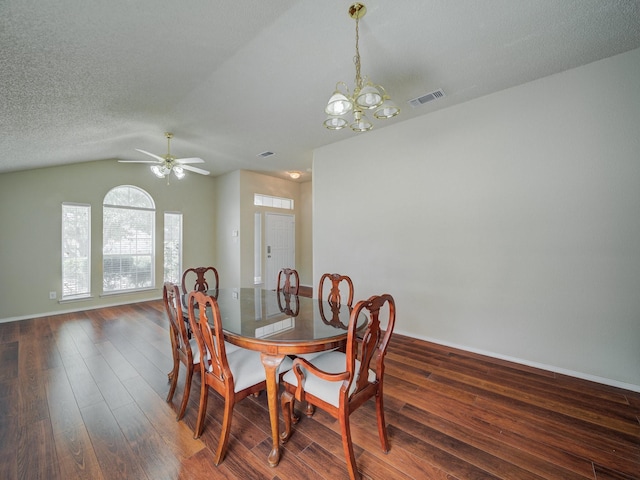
[270,201]
[76,250]
[172,247]
[128,253]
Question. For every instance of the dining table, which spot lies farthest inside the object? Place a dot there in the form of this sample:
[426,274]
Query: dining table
[278,324]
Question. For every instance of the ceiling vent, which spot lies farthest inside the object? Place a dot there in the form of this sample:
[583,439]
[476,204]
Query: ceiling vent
[429,97]
[265,154]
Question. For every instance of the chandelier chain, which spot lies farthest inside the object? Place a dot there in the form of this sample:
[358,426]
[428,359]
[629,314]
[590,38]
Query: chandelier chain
[356,59]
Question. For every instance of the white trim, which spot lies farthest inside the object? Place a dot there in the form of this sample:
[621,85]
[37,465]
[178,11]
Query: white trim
[541,366]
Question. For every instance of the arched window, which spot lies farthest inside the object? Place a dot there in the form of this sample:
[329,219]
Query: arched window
[128,240]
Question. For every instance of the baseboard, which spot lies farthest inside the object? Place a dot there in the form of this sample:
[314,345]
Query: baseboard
[541,366]
[73,310]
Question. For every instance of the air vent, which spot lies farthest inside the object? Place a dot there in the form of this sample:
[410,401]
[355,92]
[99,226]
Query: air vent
[429,97]
[265,154]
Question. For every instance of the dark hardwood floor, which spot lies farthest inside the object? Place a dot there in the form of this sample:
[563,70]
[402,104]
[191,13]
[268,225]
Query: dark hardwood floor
[82,395]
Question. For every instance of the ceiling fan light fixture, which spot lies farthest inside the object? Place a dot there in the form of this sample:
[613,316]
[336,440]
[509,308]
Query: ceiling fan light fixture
[178,172]
[159,171]
[366,95]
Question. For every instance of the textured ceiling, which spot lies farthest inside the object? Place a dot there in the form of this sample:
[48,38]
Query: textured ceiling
[85,80]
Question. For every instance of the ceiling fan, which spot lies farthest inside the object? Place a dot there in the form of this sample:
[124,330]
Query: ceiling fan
[168,163]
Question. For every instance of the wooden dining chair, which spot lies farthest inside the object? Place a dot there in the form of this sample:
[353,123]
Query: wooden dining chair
[206,278]
[334,298]
[340,382]
[234,375]
[288,281]
[183,349]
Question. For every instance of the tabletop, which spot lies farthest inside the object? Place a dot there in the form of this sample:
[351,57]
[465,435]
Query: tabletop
[267,316]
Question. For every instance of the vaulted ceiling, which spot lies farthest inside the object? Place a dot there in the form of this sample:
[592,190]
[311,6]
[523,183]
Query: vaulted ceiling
[84,80]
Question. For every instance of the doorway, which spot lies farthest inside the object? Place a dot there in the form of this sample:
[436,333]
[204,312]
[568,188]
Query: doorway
[280,245]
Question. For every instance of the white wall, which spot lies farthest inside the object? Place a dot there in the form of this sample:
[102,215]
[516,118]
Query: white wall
[509,225]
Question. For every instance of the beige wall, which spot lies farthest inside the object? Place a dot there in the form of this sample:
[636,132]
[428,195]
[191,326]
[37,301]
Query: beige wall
[305,226]
[30,236]
[251,183]
[30,212]
[509,225]
[228,219]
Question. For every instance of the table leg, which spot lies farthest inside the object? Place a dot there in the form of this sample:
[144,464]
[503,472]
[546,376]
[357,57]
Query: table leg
[271,364]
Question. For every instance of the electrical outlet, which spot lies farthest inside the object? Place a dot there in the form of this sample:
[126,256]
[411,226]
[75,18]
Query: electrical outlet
[52,295]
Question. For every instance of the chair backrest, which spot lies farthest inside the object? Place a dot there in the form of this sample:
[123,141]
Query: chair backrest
[288,281]
[206,278]
[334,297]
[172,305]
[369,344]
[206,324]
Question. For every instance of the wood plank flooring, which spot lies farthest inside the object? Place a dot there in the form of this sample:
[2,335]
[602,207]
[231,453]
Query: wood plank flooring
[82,396]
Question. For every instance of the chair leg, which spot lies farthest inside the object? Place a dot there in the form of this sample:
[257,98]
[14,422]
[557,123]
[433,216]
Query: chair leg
[310,410]
[185,394]
[382,426]
[202,411]
[172,376]
[348,447]
[226,429]
[286,400]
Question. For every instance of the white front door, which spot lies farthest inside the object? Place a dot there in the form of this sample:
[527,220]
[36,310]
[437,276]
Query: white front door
[280,243]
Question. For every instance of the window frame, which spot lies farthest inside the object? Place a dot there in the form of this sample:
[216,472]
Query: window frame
[85,290]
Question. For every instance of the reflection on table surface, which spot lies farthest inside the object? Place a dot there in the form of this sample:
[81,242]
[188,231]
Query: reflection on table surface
[273,316]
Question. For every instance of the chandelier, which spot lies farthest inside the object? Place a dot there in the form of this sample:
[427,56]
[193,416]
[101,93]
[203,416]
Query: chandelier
[365,95]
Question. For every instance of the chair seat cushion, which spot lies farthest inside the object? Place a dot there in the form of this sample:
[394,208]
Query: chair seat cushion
[195,351]
[331,362]
[230,347]
[247,368]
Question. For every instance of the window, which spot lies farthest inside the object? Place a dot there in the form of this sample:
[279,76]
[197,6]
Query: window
[172,247]
[270,201]
[128,240]
[76,250]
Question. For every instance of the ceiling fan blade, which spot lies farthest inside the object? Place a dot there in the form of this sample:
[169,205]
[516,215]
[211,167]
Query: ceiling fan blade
[160,159]
[138,161]
[195,169]
[182,161]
